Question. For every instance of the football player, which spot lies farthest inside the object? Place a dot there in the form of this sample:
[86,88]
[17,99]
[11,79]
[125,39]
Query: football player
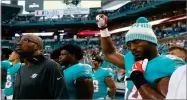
[11,72]
[78,77]
[102,80]
[147,71]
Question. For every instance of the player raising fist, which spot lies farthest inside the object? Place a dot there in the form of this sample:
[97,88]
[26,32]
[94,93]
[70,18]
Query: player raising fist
[142,44]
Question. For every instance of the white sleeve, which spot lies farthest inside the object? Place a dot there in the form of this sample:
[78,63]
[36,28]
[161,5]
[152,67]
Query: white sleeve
[177,84]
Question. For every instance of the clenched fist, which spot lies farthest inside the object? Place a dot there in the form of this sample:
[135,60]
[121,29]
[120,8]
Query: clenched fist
[101,21]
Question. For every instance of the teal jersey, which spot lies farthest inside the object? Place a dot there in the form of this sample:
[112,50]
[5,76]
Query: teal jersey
[74,72]
[11,78]
[161,66]
[100,87]
[5,64]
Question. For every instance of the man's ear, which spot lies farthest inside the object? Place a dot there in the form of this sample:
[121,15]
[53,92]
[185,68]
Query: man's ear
[73,56]
[183,57]
[36,47]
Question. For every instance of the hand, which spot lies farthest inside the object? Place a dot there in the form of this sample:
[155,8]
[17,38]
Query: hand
[140,65]
[101,21]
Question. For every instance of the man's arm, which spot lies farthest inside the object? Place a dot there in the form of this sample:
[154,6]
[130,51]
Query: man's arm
[147,92]
[107,45]
[57,86]
[84,88]
[112,86]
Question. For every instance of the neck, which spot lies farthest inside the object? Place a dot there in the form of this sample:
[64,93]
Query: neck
[27,63]
[154,53]
[15,61]
[72,63]
[96,68]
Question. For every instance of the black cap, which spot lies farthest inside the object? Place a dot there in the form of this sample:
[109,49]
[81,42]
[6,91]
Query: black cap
[97,58]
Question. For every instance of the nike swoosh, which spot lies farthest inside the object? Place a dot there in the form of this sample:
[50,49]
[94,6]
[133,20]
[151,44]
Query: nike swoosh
[59,78]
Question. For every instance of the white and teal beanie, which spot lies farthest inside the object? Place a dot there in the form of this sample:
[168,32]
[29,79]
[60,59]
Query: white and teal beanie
[141,30]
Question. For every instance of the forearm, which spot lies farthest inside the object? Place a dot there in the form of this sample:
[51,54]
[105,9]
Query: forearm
[106,42]
[147,92]
[84,88]
[111,92]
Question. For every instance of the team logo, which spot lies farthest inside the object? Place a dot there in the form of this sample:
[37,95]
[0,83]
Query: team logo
[34,75]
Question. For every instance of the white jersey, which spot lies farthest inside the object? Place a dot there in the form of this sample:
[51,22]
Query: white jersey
[177,84]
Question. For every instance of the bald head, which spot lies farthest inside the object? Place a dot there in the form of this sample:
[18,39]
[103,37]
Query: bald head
[35,39]
[178,51]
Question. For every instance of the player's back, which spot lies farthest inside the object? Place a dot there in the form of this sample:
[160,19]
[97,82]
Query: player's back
[160,66]
[74,72]
[100,87]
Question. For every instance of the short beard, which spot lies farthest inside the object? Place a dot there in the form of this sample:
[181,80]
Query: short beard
[25,55]
[146,55]
[139,58]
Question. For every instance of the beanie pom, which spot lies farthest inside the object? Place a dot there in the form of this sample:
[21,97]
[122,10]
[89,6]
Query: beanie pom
[142,20]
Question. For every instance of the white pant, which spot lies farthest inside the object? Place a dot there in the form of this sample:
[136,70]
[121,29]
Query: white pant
[9,97]
[104,98]
[2,94]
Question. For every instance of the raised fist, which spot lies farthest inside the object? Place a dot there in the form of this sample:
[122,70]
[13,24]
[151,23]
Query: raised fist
[101,21]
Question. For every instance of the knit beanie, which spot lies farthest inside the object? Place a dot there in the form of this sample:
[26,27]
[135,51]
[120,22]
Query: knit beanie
[141,30]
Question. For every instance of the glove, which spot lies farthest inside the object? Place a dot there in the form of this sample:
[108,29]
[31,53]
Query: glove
[140,65]
[137,73]
[101,21]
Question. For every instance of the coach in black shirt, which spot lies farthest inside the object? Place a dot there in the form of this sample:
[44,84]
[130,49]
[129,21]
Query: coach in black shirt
[39,78]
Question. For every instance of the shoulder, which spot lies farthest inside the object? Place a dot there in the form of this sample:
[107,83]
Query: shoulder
[81,66]
[172,59]
[168,64]
[107,71]
[5,64]
[15,67]
[51,64]
[82,70]
[84,65]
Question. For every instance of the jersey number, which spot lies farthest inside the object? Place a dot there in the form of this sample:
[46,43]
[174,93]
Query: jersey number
[8,83]
[96,85]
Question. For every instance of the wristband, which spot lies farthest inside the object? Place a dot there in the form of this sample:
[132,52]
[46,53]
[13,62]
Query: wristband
[104,33]
[138,79]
